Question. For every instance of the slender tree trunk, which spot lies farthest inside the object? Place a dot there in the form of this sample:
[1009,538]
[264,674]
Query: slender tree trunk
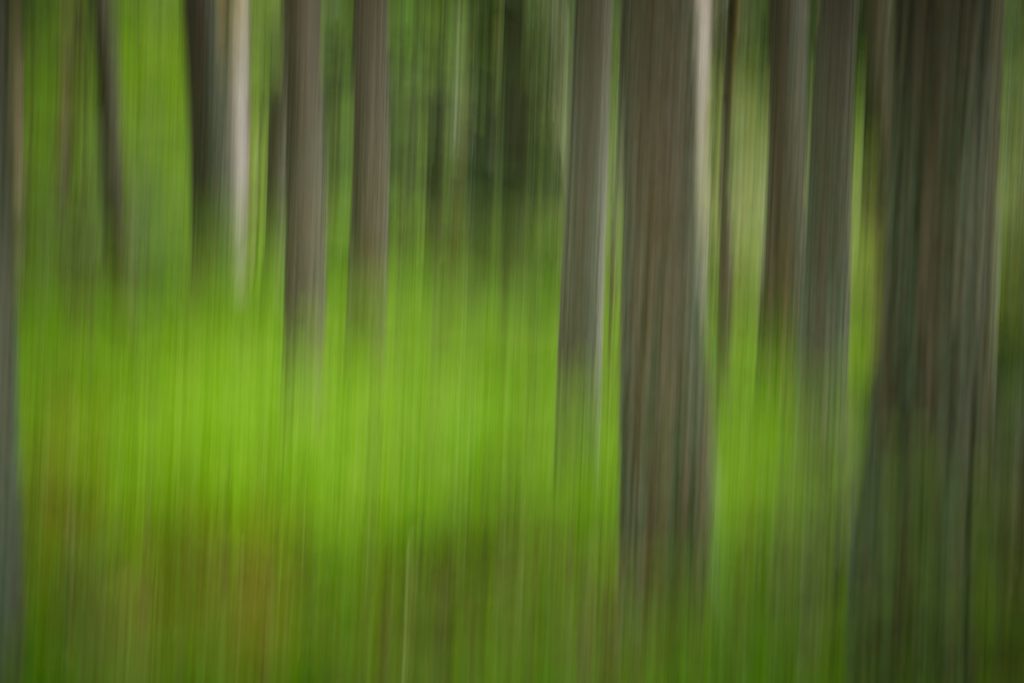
[458,128]
[368,251]
[240,140]
[787,159]
[665,499]
[17,128]
[822,538]
[582,307]
[69,69]
[210,199]
[724,204]
[831,181]
[878,26]
[11,571]
[116,237]
[305,239]
[515,137]
[437,118]
[483,61]
[703,44]
[515,110]
[934,388]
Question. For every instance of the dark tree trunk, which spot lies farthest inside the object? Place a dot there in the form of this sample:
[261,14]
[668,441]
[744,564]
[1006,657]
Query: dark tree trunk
[17,127]
[935,381]
[207,79]
[239,105]
[724,205]
[582,306]
[665,499]
[787,151]
[484,127]
[116,237]
[71,57]
[436,121]
[828,225]
[368,250]
[822,537]
[11,571]
[514,149]
[878,27]
[515,136]
[305,239]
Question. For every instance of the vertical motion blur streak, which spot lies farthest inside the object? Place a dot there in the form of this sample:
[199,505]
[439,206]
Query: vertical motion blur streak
[531,340]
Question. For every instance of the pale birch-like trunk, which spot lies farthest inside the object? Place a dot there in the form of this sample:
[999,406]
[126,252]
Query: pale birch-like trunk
[239,105]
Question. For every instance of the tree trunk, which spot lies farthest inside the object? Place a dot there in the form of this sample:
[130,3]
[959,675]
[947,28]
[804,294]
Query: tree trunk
[828,229]
[702,35]
[210,207]
[17,128]
[71,57]
[822,538]
[11,571]
[437,16]
[582,306]
[665,499]
[724,205]
[305,239]
[368,251]
[515,109]
[934,388]
[515,134]
[787,151]
[240,140]
[116,237]
[878,23]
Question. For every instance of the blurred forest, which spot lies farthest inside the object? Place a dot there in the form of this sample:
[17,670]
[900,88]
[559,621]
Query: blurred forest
[511,340]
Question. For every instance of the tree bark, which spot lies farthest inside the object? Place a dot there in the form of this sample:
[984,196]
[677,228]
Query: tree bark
[17,127]
[582,304]
[368,251]
[515,137]
[934,388]
[305,239]
[11,570]
[822,538]
[515,109]
[831,179]
[71,56]
[437,117]
[703,45]
[724,203]
[665,499]
[787,152]
[210,200]
[116,236]
[240,141]
[878,23]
